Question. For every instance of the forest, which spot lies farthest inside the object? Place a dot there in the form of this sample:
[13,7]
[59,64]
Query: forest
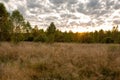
[14,28]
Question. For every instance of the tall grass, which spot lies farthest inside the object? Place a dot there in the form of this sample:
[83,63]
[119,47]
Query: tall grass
[59,61]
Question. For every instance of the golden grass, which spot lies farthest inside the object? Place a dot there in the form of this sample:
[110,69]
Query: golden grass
[59,61]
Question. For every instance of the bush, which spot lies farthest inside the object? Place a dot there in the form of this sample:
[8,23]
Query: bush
[51,38]
[29,38]
[17,37]
[108,40]
[41,38]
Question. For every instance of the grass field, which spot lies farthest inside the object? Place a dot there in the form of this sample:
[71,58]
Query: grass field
[59,61]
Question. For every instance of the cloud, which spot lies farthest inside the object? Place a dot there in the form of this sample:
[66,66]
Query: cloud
[93,4]
[6,0]
[67,13]
[56,2]
[33,4]
[116,21]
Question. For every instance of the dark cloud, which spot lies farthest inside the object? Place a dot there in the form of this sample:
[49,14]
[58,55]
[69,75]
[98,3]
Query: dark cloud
[63,1]
[109,4]
[86,24]
[102,12]
[81,8]
[69,16]
[51,18]
[117,5]
[93,4]
[72,1]
[6,0]
[116,21]
[56,2]
[33,4]
[91,8]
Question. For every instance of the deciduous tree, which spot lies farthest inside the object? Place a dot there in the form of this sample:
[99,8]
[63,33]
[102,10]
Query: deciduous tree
[5,23]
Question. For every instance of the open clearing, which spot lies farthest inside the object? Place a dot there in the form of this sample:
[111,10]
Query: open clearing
[59,61]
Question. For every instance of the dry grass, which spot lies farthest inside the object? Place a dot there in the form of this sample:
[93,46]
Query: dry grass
[59,61]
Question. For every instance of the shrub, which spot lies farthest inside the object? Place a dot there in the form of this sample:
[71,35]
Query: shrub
[108,40]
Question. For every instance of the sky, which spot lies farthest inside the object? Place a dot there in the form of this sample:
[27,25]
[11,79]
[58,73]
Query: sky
[74,15]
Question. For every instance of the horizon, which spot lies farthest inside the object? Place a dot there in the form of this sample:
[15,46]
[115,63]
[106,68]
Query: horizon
[69,15]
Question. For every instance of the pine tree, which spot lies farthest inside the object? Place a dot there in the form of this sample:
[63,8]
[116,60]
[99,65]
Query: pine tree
[51,32]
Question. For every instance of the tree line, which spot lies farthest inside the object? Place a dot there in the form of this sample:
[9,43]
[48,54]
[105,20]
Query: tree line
[13,27]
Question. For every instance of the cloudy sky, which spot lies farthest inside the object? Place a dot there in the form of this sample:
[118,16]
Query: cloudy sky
[75,15]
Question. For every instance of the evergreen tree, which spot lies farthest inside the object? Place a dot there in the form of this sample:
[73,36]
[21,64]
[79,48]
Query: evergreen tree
[28,27]
[51,32]
[51,29]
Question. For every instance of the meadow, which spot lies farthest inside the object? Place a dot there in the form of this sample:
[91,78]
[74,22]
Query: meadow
[59,61]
